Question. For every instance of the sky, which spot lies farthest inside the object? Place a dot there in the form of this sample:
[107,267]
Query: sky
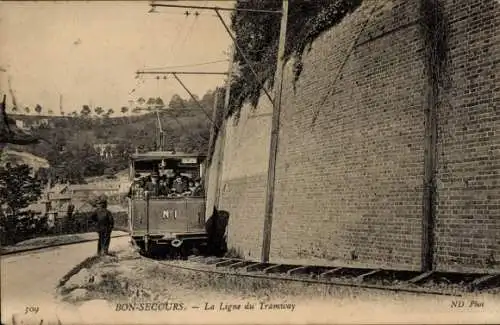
[87,52]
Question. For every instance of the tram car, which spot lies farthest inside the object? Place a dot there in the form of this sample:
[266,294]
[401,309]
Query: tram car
[167,203]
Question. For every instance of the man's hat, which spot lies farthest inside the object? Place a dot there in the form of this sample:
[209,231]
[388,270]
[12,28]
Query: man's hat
[102,199]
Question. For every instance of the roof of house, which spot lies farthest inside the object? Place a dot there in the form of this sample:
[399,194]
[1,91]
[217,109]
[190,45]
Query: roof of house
[82,206]
[58,188]
[35,207]
[163,155]
[57,196]
[116,208]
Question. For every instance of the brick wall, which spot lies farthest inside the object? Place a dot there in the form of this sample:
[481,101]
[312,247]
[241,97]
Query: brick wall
[468,205]
[349,185]
[244,176]
[350,166]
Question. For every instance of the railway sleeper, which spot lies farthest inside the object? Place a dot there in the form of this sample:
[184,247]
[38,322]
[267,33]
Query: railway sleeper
[485,282]
[214,260]
[300,270]
[196,258]
[362,277]
[349,273]
[240,265]
[329,273]
[420,278]
[462,279]
[257,267]
[391,277]
[227,262]
[273,268]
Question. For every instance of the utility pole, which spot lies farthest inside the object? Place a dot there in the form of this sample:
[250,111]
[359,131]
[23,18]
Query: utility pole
[213,131]
[60,104]
[222,128]
[268,216]
[214,127]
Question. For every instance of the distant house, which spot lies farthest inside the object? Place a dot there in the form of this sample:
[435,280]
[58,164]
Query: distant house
[89,191]
[105,150]
[55,203]
[40,123]
[22,125]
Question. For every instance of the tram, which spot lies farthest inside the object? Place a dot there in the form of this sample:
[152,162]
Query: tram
[167,215]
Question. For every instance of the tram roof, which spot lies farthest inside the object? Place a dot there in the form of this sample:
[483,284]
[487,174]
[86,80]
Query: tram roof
[155,155]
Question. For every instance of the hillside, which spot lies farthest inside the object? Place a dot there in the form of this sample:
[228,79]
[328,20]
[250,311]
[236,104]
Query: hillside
[91,144]
[184,129]
[21,157]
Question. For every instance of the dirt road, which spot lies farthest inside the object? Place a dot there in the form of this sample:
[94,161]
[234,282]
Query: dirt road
[29,280]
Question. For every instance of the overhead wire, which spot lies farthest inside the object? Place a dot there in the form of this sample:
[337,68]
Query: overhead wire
[188,65]
[187,132]
[191,27]
[177,38]
[181,125]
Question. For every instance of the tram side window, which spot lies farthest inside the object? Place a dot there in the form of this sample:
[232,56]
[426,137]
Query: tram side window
[164,186]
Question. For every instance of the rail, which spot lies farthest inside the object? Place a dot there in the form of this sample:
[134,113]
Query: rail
[385,280]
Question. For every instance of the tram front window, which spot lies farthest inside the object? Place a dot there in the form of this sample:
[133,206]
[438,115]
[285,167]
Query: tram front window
[166,187]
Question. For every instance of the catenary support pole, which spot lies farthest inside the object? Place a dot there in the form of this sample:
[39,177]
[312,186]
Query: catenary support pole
[222,130]
[430,156]
[268,216]
[214,128]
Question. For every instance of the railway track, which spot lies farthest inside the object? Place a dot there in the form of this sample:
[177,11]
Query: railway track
[430,283]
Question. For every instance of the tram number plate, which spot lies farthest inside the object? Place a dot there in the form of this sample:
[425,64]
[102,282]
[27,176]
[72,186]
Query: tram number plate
[167,214]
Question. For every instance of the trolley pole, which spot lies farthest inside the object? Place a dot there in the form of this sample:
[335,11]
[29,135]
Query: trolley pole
[268,216]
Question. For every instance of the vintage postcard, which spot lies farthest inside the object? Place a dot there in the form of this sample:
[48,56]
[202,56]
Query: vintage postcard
[250,162]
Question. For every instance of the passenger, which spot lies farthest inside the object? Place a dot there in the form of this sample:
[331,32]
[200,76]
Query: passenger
[169,182]
[105,223]
[163,187]
[152,186]
[135,189]
[179,185]
[191,188]
[198,191]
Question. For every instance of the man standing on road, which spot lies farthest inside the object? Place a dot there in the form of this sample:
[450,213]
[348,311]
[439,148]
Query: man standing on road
[105,223]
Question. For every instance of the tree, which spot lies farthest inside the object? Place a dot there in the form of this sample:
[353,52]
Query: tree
[50,112]
[141,101]
[27,110]
[98,110]
[74,114]
[18,188]
[38,108]
[151,102]
[124,109]
[192,102]
[110,112]
[14,109]
[176,102]
[159,102]
[85,110]
[42,175]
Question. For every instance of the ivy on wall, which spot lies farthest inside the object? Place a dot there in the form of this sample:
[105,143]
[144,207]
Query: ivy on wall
[257,35]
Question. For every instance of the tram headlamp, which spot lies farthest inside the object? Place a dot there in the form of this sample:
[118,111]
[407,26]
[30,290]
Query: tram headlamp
[176,243]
